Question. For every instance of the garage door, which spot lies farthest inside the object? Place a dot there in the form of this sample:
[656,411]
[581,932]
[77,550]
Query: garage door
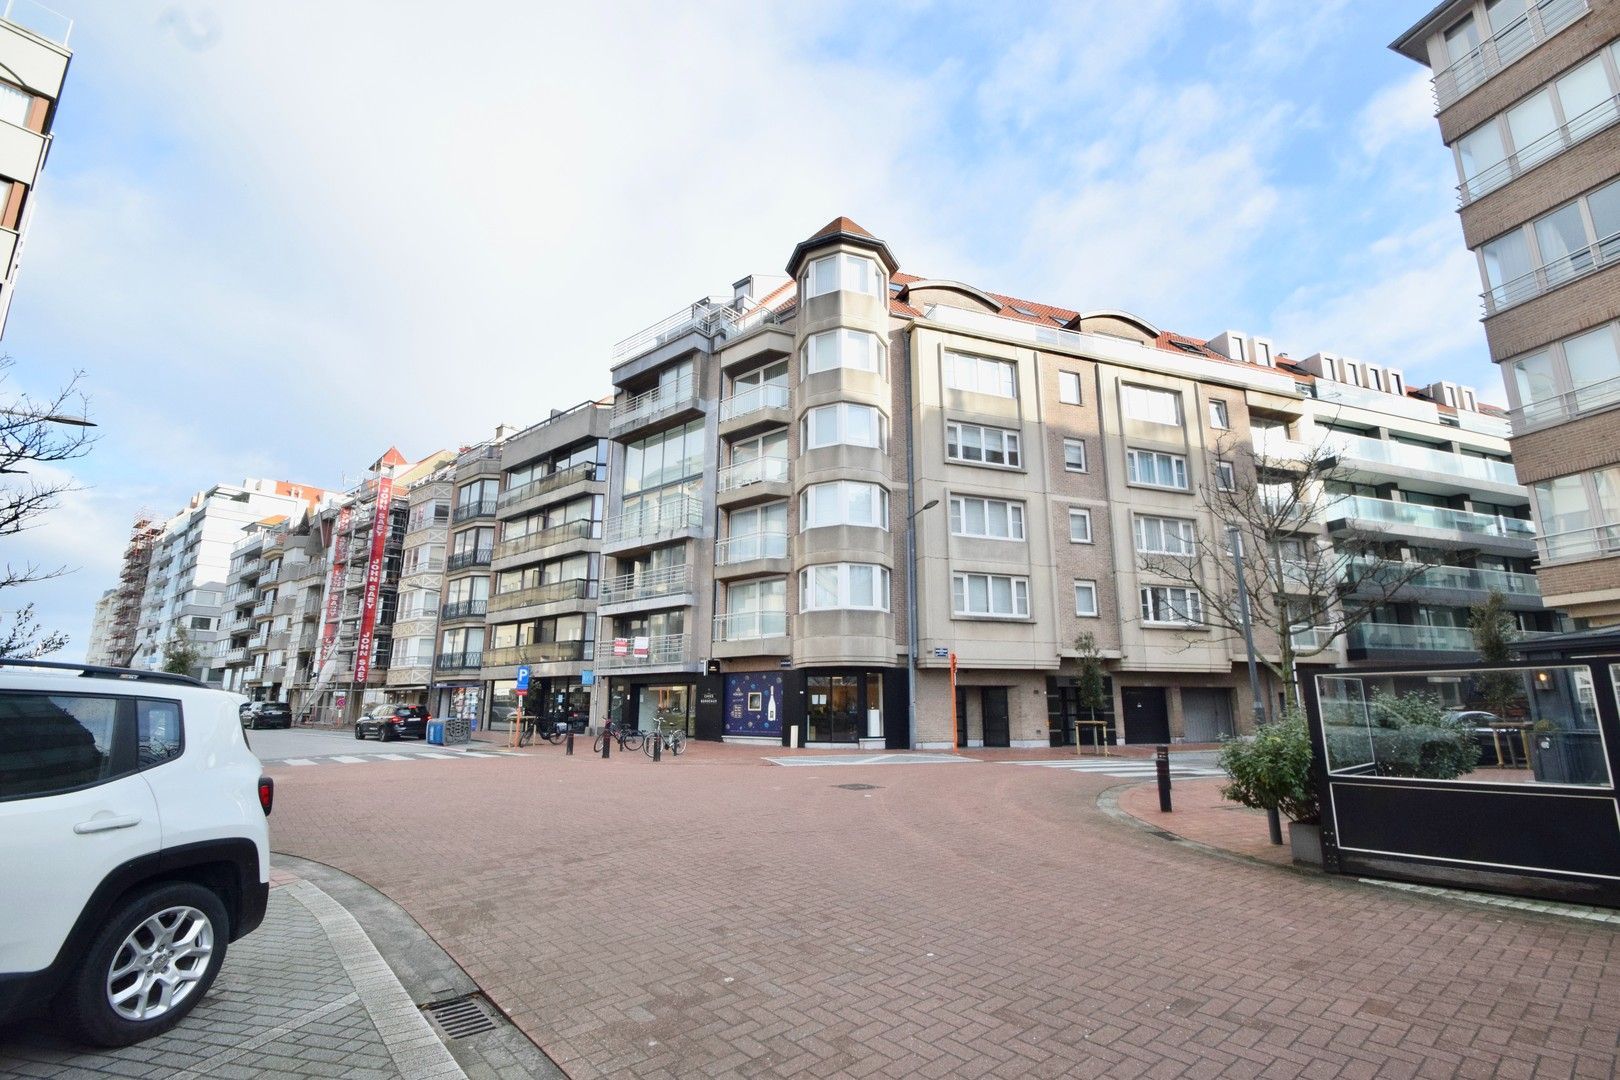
[1207,714]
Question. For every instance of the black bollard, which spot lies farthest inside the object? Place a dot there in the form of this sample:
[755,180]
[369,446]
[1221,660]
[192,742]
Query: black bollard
[569,749]
[1161,763]
[658,746]
[607,743]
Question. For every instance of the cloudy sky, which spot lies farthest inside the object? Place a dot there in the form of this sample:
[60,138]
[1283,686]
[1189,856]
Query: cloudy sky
[279,237]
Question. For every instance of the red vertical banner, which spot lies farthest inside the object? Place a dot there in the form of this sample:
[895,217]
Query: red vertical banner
[334,591]
[374,566]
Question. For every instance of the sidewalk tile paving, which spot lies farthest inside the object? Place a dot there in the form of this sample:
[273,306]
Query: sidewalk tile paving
[716,915]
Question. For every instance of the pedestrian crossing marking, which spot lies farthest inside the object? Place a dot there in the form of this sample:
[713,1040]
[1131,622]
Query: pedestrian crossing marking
[297,761]
[872,759]
[1127,768]
[348,759]
[360,759]
[397,757]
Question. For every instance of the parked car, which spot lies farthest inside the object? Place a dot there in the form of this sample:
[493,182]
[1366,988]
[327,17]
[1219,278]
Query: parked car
[267,714]
[136,847]
[1480,721]
[390,722]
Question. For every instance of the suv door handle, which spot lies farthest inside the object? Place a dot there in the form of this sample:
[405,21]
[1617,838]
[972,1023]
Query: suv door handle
[104,824]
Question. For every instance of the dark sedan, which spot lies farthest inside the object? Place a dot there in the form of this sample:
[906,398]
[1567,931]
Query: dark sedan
[390,722]
[267,714]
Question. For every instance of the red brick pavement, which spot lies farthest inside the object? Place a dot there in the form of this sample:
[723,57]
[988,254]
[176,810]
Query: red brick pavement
[1199,813]
[717,916]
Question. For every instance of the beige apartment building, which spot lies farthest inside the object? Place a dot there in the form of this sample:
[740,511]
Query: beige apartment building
[1528,99]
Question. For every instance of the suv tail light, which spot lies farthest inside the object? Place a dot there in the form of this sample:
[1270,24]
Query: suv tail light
[267,794]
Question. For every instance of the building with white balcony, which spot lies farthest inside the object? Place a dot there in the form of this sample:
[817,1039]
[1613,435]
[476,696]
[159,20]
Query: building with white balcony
[34,60]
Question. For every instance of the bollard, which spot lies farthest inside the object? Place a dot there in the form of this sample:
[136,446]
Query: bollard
[1161,764]
[568,750]
[607,743]
[658,745]
[1274,823]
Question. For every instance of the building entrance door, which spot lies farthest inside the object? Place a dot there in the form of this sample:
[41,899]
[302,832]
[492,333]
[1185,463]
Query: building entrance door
[997,728]
[1147,716]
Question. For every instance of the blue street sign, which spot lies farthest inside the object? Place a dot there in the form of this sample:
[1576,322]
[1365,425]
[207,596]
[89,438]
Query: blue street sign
[587,678]
[942,652]
[523,677]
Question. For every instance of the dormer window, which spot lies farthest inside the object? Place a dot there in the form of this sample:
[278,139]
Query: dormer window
[843,273]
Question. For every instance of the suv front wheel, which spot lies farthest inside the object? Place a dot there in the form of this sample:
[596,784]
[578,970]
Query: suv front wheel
[152,962]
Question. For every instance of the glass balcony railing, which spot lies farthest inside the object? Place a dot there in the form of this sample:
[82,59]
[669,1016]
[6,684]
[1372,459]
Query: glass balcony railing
[1565,406]
[764,470]
[750,625]
[655,518]
[1548,276]
[648,584]
[539,652]
[1417,637]
[552,592]
[584,529]
[1385,511]
[1469,71]
[746,547]
[559,479]
[1429,459]
[1462,578]
[754,399]
[1572,545]
[630,410]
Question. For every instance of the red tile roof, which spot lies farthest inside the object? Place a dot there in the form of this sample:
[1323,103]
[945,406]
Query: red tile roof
[840,225]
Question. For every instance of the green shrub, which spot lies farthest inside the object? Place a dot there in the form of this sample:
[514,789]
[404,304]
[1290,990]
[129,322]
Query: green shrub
[1272,771]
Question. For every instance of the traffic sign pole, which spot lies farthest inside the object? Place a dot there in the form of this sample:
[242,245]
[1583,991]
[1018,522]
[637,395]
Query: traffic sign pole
[521,689]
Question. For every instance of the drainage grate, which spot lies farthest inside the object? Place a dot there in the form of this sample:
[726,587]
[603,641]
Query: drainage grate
[459,1017]
[857,787]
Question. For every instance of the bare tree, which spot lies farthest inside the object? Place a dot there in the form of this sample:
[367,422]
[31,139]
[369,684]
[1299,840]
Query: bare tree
[35,431]
[1305,590]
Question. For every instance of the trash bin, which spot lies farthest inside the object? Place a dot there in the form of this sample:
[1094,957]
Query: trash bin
[435,732]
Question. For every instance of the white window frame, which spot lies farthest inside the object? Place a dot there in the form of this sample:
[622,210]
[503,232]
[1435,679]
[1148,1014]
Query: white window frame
[809,519]
[1012,511]
[1075,444]
[839,273]
[1080,513]
[1083,588]
[1177,466]
[1191,605]
[1011,445]
[1183,530]
[1069,390]
[961,596]
[880,587]
[1220,415]
[807,426]
[851,350]
[1144,404]
[1225,476]
[988,375]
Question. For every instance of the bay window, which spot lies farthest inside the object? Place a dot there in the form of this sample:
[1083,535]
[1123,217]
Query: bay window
[844,586]
[843,502]
[845,423]
[843,272]
[856,350]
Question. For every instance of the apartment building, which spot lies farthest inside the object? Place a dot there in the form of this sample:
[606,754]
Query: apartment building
[475,485]
[421,583]
[190,562]
[34,60]
[272,605]
[1528,98]
[98,650]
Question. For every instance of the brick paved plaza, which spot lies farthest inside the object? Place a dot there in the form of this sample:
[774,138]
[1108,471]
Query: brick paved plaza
[716,915]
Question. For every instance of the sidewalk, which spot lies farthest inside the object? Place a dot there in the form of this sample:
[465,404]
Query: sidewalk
[1202,816]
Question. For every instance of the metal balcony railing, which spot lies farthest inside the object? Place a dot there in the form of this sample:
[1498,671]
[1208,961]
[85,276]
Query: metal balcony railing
[764,470]
[263,609]
[1386,511]
[551,592]
[754,399]
[459,661]
[746,547]
[651,404]
[750,625]
[463,559]
[584,529]
[644,651]
[653,519]
[1561,271]
[1565,406]
[1573,545]
[476,509]
[464,609]
[1508,44]
[551,482]
[710,315]
[1549,146]
[648,584]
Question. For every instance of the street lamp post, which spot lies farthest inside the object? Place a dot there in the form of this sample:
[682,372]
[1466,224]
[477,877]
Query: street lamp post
[911,619]
[1273,821]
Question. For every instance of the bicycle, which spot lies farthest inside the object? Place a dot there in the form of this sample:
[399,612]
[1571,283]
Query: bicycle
[526,733]
[556,733]
[672,738]
[627,740]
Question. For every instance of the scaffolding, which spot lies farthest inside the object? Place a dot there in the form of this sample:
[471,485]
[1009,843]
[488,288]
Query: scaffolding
[131,590]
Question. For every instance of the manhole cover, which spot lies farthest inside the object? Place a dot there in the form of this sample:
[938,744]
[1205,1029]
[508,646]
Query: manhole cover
[857,787]
[459,1017]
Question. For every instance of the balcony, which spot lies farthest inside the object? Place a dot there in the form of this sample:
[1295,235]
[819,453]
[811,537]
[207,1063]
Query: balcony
[710,316]
[464,609]
[270,572]
[631,652]
[1550,145]
[668,401]
[1422,459]
[264,609]
[528,494]
[1575,545]
[750,625]
[749,547]
[475,509]
[567,532]
[539,652]
[648,585]
[1592,398]
[233,656]
[1470,71]
[423,566]
[459,661]
[461,560]
[1561,271]
[1453,578]
[1404,637]
[767,404]
[654,520]
[741,474]
[38,19]
[1441,519]
[479,461]
[552,592]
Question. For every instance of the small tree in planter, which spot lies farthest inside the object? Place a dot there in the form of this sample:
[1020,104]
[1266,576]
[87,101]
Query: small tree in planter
[1091,687]
[1272,771]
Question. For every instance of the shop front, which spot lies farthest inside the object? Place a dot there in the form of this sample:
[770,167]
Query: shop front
[651,701]
[864,707]
[550,699]
[459,701]
[755,705]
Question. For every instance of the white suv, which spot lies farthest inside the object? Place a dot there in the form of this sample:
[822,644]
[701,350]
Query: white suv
[133,844]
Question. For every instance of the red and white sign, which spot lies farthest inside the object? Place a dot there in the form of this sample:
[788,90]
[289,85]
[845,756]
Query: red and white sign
[621,646]
[641,648]
[374,570]
[334,590]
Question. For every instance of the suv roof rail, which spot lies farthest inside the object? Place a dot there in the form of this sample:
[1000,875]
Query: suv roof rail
[96,671]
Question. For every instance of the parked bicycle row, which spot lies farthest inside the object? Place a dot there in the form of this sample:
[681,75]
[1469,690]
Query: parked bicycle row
[662,739]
